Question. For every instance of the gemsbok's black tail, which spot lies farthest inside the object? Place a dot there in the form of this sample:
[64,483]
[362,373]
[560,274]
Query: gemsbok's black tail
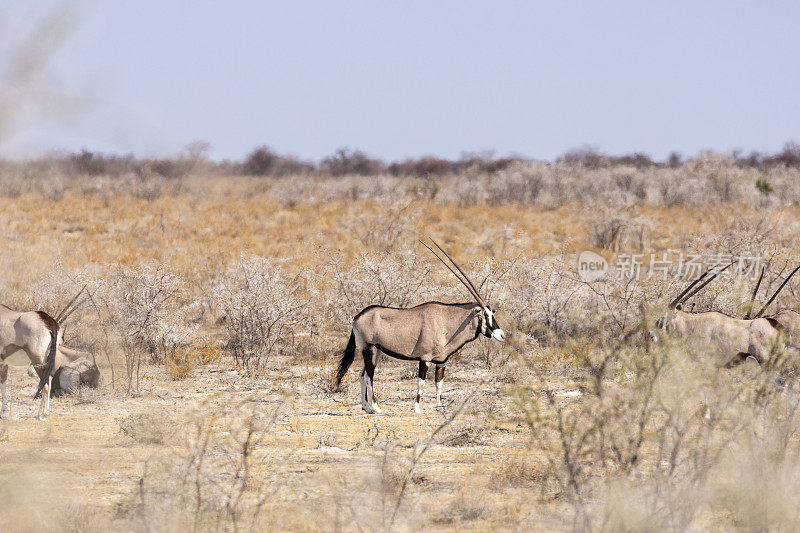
[49,362]
[347,360]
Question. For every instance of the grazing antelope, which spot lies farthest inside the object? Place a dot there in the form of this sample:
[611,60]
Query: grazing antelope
[734,339]
[72,369]
[39,336]
[429,333]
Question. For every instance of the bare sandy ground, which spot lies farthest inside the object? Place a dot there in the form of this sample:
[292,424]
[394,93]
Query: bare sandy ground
[323,461]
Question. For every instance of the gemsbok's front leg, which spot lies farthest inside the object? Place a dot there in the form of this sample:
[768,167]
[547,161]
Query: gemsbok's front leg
[3,379]
[439,382]
[421,375]
[44,410]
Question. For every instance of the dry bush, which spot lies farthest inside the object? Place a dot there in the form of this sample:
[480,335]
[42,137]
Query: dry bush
[469,504]
[264,309]
[545,299]
[520,469]
[222,478]
[149,427]
[149,312]
[660,421]
[398,279]
[387,229]
[606,233]
[180,363]
[326,439]
[470,436]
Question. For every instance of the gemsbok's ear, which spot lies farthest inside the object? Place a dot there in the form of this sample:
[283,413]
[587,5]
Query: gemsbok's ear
[679,307]
[477,309]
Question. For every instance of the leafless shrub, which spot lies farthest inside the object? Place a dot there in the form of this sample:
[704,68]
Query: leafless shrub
[398,280]
[387,229]
[657,420]
[517,184]
[545,299]
[96,164]
[150,315]
[590,157]
[264,308]
[607,233]
[217,480]
[520,469]
[326,439]
[469,504]
[180,363]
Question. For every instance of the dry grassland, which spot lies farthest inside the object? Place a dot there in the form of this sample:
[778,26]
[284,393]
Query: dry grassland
[571,425]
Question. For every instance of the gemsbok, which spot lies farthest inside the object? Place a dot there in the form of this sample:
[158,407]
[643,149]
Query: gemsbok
[39,336]
[72,369]
[732,339]
[429,333]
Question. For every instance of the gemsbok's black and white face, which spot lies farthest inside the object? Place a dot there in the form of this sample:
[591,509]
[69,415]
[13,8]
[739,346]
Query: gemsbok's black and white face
[489,326]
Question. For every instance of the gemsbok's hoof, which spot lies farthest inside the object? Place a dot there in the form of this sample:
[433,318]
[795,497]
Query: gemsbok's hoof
[416,408]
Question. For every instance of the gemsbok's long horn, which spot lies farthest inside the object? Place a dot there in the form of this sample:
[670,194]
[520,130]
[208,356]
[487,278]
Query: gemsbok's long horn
[678,299]
[706,282]
[755,292]
[63,314]
[465,280]
[474,290]
[455,273]
[776,293]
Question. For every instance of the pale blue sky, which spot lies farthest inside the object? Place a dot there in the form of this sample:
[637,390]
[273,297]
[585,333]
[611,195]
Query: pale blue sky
[400,79]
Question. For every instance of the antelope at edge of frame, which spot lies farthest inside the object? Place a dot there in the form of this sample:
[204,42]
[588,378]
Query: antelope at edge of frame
[39,335]
[734,339]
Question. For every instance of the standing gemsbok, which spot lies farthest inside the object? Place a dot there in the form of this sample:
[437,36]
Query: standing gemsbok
[731,339]
[39,336]
[429,333]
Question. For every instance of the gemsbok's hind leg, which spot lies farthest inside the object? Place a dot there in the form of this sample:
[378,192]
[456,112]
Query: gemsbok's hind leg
[439,382]
[3,380]
[368,403]
[421,375]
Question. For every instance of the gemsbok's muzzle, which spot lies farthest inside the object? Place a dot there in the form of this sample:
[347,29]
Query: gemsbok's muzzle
[499,335]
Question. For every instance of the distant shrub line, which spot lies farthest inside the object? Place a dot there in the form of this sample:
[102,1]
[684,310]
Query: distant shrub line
[263,161]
